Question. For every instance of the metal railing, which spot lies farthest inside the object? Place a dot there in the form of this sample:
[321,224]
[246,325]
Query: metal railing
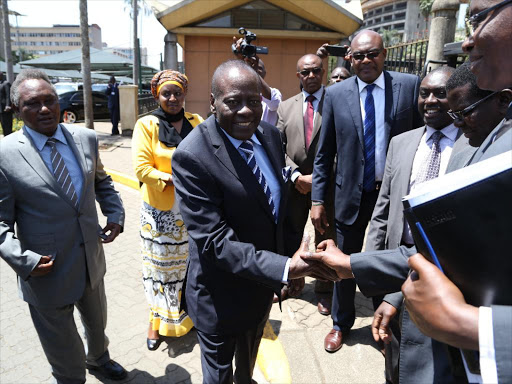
[147,103]
[407,57]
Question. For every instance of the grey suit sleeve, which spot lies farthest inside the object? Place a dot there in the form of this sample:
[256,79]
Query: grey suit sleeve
[326,151]
[201,202]
[282,128]
[395,299]
[108,198]
[502,329]
[417,119]
[381,272]
[376,239]
[23,262]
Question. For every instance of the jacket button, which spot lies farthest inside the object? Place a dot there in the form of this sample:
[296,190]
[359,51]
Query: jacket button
[360,187]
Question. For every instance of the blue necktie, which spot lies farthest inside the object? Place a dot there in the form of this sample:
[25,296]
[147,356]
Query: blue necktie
[61,172]
[248,149]
[369,141]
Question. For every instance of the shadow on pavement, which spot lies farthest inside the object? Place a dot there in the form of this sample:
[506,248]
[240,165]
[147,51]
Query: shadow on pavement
[179,345]
[174,374]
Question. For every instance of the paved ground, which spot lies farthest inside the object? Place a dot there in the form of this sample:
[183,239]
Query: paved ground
[299,327]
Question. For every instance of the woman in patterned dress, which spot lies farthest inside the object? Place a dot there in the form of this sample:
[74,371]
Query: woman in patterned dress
[164,238]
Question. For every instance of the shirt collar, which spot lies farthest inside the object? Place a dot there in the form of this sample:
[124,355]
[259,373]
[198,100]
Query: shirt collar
[317,94]
[449,131]
[236,142]
[379,82]
[40,140]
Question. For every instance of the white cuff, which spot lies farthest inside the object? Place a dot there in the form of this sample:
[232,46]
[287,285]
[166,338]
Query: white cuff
[295,174]
[284,280]
[486,346]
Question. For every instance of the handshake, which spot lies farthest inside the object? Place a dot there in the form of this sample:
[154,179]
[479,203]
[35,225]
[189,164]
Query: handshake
[326,263]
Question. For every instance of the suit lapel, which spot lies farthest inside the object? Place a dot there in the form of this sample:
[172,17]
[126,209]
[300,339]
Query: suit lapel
[392,91]
[75,144]
[408,160]
[318,118]
[298,114]
[229,156]
[354,105]
[31,155]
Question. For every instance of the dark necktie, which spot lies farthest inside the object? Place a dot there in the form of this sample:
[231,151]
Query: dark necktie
[369,140]
[61,172]
[308,120]
[430,168]
[248,149]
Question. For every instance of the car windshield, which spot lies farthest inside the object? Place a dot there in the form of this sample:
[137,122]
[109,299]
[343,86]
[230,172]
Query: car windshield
[99,87]
[63,88]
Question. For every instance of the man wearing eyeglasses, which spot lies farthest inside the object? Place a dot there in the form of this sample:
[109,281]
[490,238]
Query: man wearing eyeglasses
[300,120]
[486,329]
[360,116]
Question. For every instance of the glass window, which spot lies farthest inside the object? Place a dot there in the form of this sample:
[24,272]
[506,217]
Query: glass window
[400,16]
[401,5]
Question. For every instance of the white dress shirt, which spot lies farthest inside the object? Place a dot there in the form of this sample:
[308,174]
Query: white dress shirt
[269,114]
[381,134]
[425,146]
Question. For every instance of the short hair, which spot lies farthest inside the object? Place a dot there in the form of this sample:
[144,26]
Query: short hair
[226,66]
[463,76]
[444,69]
[27,74]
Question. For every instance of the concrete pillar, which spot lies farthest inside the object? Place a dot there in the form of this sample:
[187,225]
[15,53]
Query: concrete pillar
[442,28]
[128,108]
[170,52]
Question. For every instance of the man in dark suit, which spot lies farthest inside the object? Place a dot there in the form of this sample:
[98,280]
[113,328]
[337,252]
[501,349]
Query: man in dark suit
[230,185]
[5,105]
[113,104]
[50,179]
[360,115]
[299,120]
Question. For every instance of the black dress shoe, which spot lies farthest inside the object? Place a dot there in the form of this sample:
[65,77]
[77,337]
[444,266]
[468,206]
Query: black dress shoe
[111,370]
[153,344]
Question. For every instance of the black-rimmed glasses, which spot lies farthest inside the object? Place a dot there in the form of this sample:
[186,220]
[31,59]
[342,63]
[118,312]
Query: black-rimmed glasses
[466,111]
[306,72]
[475,20]
[370,55]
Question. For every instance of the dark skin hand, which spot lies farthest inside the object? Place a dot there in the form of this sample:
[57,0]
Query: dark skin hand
[169,181]
[296,286]
[329,255]
[319,218]
[299,267]
[43,267]
[437,306]
[254,63]
[381,321]
[115,230]
[322,52]
[303,183]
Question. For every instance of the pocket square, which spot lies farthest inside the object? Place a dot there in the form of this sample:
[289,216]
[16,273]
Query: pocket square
[287,171]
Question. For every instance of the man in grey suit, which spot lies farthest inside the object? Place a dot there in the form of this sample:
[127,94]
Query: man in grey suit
[50,177]
[5,105]
[360,116]
[299,120]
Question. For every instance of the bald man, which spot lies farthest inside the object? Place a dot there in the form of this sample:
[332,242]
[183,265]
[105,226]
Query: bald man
[360,116]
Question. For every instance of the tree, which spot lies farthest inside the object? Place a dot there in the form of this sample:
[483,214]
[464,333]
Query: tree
[426,8]
[86,65]
[24,56]
[389,37]
[7,43]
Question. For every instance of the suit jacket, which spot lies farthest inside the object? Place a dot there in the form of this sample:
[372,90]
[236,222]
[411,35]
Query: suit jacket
[342,136]
[382,272]
[47,223]
[418,363]
[5,95]
[233,269]
[290,122]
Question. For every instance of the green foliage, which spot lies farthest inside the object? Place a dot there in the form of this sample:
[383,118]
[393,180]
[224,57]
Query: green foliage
[24,56]
[426,7]
[389,37]
[16,125]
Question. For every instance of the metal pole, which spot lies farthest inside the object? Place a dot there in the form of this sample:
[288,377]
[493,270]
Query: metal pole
[7,45]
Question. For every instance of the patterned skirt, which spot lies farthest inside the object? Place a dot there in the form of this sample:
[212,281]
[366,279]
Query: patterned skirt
[164,261]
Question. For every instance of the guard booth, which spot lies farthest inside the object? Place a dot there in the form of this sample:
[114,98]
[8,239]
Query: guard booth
[289,28]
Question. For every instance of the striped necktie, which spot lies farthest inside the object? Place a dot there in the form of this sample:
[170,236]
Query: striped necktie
[369,141]
[248,149]
[61,172]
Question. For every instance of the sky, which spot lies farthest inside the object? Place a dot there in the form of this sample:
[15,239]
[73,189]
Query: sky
[113,16]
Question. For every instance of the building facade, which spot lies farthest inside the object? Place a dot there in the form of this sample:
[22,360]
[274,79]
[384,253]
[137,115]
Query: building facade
[403,16]
[127,53]
[44,41]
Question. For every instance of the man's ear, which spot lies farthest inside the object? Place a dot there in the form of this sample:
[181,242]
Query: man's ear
[384,52]
[212,104]
[505,97]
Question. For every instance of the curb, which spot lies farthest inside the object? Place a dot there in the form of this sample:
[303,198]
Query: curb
[271,358]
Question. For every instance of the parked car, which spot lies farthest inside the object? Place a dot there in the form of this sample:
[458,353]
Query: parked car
[63,87]
[101,88]
[72,106]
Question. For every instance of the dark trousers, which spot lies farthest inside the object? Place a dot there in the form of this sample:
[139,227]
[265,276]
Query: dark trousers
[297,214]
[217,353]
[114,118]
[6,120]
[350,240]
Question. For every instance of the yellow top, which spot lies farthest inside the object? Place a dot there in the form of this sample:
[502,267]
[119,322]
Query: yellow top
[152,161]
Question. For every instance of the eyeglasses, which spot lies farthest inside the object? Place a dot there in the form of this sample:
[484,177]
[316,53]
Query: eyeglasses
[466,111]
[340,77]
[475,20]
[370,55]
[306,72]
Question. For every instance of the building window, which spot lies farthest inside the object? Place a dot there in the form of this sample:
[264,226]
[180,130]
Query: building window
[370,13]
[399,26]
[387,18]
[378,11]
[388,8]
[377,20]
[400,16]
[401,5]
